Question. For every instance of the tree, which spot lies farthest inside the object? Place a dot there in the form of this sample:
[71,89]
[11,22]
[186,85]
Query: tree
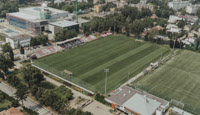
[5,63]
[21,50]
[2,75]
[32,76]
[7,49]
[13,80]
[198,12]
[38,40]
[21,93]
[65,34]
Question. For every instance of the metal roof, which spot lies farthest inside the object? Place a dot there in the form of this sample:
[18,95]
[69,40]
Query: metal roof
[121,95]
[64,23]
[20,37]
[23,16]
[142,105]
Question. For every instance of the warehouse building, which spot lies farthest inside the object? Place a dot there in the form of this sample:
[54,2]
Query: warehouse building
[19,40]
[36,19]
[134,102]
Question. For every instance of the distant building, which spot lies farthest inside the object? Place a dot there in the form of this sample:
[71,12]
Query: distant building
[189,18]
[22,40]
[178,4]
[58,1]
[123,1]
[135,102]
[11,111]
[192,9]
[36,19]
[55,27]
[98,8]
[142,5]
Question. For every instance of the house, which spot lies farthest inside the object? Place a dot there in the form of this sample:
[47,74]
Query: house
[173,19]
[19,40]
[98,8]
[134,102]
[11,111]
[192,9]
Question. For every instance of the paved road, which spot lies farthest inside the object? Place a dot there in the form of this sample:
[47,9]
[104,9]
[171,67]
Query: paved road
[29,103]
[95,107]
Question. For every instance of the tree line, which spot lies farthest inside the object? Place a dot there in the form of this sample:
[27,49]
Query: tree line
[130,20]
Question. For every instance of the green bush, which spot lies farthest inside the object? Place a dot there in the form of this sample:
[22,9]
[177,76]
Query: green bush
[29,111]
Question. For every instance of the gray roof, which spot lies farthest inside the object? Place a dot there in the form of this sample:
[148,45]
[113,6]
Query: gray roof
[64,23]
[23,16]
[20,37]
[142,105]
[121,95]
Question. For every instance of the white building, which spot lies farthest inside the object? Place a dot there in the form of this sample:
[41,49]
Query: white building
[178,4]
[58,1]
[173,19]
[37,18]
[192,9]
[134,102]
[22,40]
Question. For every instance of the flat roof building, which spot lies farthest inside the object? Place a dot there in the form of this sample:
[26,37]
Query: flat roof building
[55,27]
[192,9]
[37,18]
[132,101]
[178,4]
[22,40]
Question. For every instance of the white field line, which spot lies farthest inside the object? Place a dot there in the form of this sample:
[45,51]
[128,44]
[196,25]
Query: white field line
[62,79]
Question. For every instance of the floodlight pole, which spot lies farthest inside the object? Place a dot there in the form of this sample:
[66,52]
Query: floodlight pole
[128,75]
[106,71]
[174,41]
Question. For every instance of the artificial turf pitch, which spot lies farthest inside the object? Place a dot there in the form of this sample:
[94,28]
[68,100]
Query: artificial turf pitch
[179,79]
[87,62]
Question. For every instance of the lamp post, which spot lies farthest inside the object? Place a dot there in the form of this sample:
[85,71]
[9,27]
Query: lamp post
[106,71]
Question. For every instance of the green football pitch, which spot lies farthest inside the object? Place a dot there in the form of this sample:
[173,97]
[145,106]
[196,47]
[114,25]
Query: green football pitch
[87,62]
[179,80]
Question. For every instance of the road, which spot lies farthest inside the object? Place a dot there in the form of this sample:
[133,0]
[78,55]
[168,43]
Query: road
[95,107]
[29,103]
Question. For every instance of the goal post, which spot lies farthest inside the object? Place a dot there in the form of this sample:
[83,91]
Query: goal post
[177,103]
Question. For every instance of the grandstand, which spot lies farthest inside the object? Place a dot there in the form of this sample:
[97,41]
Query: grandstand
[70,43]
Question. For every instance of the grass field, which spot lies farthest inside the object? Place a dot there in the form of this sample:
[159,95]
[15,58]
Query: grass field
[87,62]
[179,79]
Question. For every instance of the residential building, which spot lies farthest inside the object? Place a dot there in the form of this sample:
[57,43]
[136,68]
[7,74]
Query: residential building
[178,4]
[143,4]
[189,18]
[134,102]
[192,9]
[11,111]
[98,8]
[55,27]
[58,1]
[173,19]
[22,40]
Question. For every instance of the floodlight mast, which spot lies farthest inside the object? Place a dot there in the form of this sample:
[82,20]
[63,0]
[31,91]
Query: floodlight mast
[77,11]
[106,71]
